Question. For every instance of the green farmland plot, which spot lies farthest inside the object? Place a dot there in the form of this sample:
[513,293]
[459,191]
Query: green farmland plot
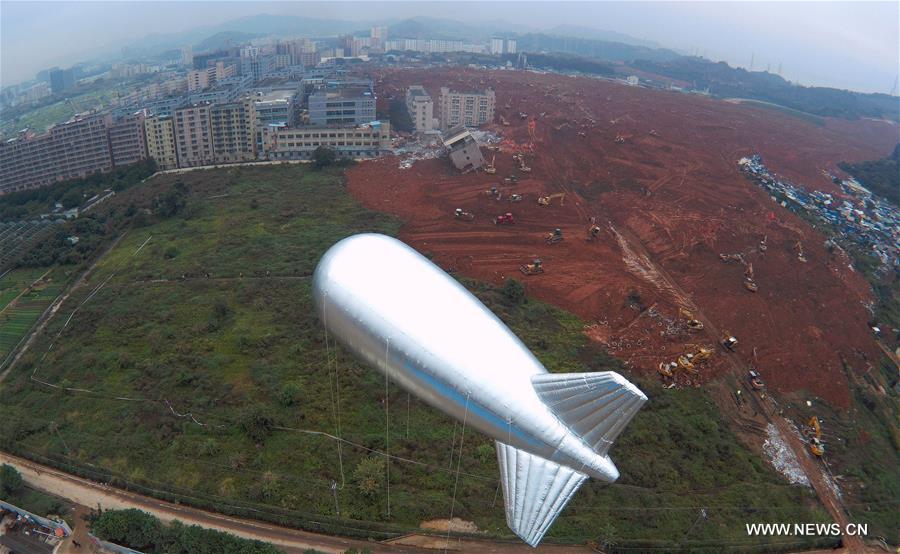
[18,311]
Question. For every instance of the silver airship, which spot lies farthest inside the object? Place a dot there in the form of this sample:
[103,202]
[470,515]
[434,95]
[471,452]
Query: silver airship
[398,312]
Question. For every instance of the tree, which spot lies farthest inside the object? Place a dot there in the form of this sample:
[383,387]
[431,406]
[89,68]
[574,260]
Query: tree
[256,424]
[369,475]
[10,480]
[514,291]
[324,157]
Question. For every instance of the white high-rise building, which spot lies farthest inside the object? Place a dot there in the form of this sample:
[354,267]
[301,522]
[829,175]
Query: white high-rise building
[496,46]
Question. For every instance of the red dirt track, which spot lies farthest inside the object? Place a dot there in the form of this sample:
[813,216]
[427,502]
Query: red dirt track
[669,203]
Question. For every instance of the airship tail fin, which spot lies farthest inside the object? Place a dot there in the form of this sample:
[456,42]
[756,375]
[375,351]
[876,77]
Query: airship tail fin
[535,489]
[596,406]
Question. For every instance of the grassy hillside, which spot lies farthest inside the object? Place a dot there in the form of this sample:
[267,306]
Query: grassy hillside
[197,371]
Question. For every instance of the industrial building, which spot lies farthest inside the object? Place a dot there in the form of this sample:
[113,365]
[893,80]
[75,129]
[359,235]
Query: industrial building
[465,155]
[465,108]
[342,104]
[276,107]
[299,143]
[420,108]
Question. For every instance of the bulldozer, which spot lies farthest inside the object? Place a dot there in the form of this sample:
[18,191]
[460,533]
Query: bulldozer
[816,446]
[728,341]
[491,168]
[504,219]
[692,323]
[463,215]
[554,236]
[593,232]
[533,268]
[800,255]
[545,200]
[515,197]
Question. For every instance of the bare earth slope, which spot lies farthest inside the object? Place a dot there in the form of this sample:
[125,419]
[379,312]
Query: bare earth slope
[669,199]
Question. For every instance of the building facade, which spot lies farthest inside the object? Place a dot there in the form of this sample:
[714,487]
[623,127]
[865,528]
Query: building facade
[70,150]
[193,136]
[127,143]
[300,143]
[234,131]
[465,108]
[342,105]
[420,108]
[159,135]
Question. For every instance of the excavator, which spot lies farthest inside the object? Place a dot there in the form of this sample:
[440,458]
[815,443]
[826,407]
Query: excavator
[545,200]
[756,382]
[515,197]
[463,215]
[729,342]
[689,360]
[504,219]
[800,255]
[619,139]
[494,193]
[693,324]
[816,446]
[533,268]
[491,168]
[504,121]
[522,166]
[762,243]
[554,236]
[593,232]
[749,283]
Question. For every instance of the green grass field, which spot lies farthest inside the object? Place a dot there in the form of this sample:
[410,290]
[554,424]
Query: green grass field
[18,318]
[216,391]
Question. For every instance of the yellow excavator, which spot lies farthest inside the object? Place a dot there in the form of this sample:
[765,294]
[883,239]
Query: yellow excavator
[816,446]
[749,283]
[491,168]
[690,321]
[689,360]
[545,200]
[800,256]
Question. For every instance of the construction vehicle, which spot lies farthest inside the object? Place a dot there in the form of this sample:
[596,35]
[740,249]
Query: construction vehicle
[494,193]
[619,139]
[533,268]
[463,215]
[522,166]
[749,283]
[490,168]
[654,133]
[504,219]
[756,382]
[593,232]
[816,446]
[692,323]
[800,255]
[729,342]
[762,243]
[554,236]
[504,121]
[515,197]
[511,178]
[545,200]
[523,115]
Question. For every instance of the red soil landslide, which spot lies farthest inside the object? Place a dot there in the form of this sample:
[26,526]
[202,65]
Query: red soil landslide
[668,202]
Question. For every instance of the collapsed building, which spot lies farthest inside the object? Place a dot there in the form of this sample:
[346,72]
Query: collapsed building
[465,155]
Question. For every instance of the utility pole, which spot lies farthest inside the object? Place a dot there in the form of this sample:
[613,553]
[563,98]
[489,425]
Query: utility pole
[337,508]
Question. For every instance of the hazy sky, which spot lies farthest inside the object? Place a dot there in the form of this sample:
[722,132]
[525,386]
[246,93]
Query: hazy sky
[852,45]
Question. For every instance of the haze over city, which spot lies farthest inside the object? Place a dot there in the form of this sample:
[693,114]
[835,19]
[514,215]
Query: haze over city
[849,45]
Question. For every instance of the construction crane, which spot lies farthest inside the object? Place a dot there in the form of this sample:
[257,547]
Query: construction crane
[533,268]
[491,168]
[545,200]
[463,215]
[554,236]
[693,324]
[504,219]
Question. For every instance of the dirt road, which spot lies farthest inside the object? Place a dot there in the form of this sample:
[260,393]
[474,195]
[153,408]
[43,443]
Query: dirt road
[90,494]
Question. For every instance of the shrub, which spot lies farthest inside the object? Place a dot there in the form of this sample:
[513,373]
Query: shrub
[369,475]
[10,480]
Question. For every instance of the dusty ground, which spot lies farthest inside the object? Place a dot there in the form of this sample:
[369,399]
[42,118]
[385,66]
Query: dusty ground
[669,202]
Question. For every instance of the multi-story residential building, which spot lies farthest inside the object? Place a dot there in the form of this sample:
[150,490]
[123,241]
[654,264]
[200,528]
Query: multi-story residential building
[300,143]
[199,79]
[234,131]
[61,79]
[420,108]
[126,140]
[342,104]
[256,66]
[465,108]
[496,46]
[159,135]
[72,149]
[510,46]
[193,135]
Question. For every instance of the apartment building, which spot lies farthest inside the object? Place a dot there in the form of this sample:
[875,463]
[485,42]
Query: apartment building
[234,131]
[126,140]
[300,143]
[70,150]
[159,135]
[193,135]
[199,79]
[342,104]
[420,108]
[465,108]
